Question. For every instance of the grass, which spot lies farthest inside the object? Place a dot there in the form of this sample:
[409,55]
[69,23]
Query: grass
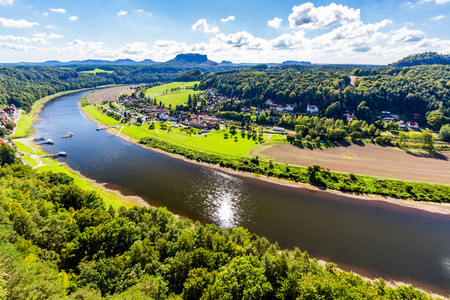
[213,143]
[157,90]
[98,115]
[175,98]
[96,70]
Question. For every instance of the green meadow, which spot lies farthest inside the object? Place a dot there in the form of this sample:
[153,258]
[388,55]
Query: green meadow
[213,143]
[99,116]
[96,70]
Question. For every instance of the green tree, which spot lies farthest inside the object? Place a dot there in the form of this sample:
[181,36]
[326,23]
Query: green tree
[7,155]
[427,140]
[435,119]
[444,133]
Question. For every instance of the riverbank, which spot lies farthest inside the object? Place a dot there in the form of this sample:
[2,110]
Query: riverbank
[438,208]
[24,131]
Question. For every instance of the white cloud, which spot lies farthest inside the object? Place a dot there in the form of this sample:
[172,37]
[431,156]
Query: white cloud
[22,39]
[435,1]
[437,18]
[16,23]
[406,35]
[58,10]
[241,39]
[50,26]
[275,23]
[122,13]
[19,47]
[73,18]
[6,2]
[45,14]
[142,12]
[230,18]
[310,17]
[53,36]
[203,26]
[136,48]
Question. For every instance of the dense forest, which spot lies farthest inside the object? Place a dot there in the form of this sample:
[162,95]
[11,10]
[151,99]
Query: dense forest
[22,86]
[426,58]
[59,241]
[418,89]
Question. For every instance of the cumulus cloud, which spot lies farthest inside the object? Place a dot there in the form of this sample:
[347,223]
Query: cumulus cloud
[437,18]
[275,23]
[136,48]
[50,26]
[73,18]
[58,10]
[16,23]
[203,26]
[22,39]
[241,39]
[19,47]
[230,18]
[122,13]
[311,17]
[6,2]
[405,35]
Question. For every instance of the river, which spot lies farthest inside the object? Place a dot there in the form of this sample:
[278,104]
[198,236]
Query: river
[372,238]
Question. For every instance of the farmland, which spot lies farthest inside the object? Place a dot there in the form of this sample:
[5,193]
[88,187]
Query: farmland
[368,159]
[109,94]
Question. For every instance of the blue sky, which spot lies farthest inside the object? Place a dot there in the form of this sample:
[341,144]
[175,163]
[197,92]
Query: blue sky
[365,31]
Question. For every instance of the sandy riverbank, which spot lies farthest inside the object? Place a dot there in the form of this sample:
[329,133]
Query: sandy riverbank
[438,208]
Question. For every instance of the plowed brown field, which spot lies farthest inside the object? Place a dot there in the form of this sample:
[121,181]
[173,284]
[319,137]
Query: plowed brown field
[109,94]
[366,159]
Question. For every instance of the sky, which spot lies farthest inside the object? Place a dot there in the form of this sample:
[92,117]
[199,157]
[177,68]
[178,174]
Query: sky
[254,31]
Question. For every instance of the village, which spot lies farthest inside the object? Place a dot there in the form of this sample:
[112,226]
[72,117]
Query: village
[8,119]
[203,112]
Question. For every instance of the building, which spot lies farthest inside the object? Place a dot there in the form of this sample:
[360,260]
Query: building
[412,125]
[289,107]
[312,109]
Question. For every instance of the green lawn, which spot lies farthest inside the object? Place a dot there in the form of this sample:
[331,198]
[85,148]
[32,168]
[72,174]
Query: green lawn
[213,143]
[98,115]
[167,87]
[175,98]
[96,70]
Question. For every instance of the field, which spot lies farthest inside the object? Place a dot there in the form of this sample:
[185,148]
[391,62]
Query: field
[213,142]
[95,71]
[368,159]
[160,89]
[98,115]
[109,94]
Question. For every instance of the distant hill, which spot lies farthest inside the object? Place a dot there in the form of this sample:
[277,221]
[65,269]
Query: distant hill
[293,62]
[190,58]
[90,62]
[426,58]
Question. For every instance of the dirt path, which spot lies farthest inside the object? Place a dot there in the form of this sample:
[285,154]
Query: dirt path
[368,159]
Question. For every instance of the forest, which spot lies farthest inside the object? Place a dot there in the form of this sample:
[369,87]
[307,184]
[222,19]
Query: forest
[415,89]
[59,241]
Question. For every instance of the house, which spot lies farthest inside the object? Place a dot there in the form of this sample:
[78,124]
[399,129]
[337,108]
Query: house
[164,116]
[401,124]
[279,108]
[211,124]
[348,117]
[259,111]
[312,109]
[386,113]
[278,129]
[269,102]
[388,119]
[412,125]
[289,107]
[196,125]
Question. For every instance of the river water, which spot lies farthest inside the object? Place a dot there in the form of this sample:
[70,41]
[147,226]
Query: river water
[369,237]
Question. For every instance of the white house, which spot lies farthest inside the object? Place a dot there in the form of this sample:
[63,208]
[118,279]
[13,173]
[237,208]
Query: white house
[289,107]
[312,109]
[412,125]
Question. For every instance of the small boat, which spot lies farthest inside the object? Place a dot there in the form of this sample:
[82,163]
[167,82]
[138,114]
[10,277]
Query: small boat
[39,139]
[68,135]
[62,153]
[48,142]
